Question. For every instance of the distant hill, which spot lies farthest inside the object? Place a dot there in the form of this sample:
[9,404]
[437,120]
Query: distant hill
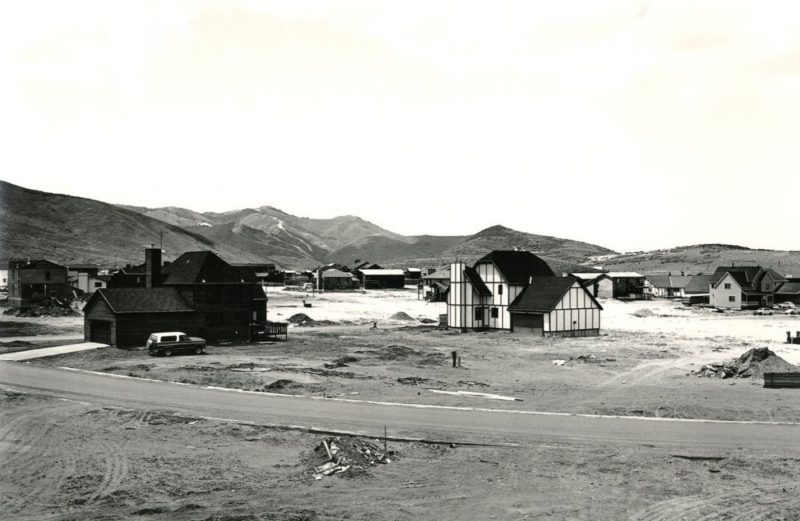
[702,258]
[74,229]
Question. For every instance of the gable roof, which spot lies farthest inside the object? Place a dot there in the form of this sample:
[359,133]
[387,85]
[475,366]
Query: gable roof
[517,266]
[545,293]
[748,274]
[438,275]
[698,284]
[669,281]
[788,288]
[777,277]
[196,267]
[477,282]
[141,300]
[34,264]
[336,274]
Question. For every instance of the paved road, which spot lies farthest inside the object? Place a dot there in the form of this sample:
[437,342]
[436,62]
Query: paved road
[452,424]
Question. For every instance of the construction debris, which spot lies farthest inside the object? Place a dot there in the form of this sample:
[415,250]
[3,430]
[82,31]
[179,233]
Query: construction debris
[754,363]
[54,308]
[349,456]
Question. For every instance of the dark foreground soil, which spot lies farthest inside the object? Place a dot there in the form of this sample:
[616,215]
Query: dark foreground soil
[75,461]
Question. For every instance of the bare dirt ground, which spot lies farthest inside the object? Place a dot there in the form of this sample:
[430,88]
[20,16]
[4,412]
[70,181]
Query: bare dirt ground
[68,460]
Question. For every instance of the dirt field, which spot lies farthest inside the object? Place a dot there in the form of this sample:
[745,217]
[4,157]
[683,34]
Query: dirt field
[115,464]
[70,461]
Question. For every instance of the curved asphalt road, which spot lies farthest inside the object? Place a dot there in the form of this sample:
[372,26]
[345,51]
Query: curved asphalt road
[460,425]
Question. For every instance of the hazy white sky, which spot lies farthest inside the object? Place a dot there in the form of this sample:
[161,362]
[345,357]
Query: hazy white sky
[630,124]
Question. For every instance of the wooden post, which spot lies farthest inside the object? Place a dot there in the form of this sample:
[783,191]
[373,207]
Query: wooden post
[384,440]
[454,354]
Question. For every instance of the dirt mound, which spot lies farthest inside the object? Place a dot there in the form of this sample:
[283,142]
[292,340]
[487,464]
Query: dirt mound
[401,315]
[397,352]
[300,318]
[643,313]
[347,456]
[753,363]
[54,309]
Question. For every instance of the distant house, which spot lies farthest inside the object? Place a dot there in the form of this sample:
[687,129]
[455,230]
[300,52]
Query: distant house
[380,278]
[85,278]
[599,285]
[333,279]
[199,294]
[128,277]
[744,287]
[265,272]
[697,291]
[33,281]
[669,286]
[435,285]
[788,291]
[3,279]
[623,284]
[413,276]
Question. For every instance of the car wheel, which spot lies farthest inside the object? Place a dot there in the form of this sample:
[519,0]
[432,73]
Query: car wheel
[198,350]
[167,352]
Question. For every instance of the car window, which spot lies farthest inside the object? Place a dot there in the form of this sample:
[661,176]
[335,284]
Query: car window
[170,338]
[183,338]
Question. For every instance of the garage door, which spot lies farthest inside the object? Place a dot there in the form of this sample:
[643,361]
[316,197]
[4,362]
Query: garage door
[100,331]
[528,323]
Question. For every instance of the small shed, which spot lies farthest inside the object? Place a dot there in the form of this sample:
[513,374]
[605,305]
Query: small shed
[697,291]
[556,306]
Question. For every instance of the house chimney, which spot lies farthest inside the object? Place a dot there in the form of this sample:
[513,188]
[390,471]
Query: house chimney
[152,267]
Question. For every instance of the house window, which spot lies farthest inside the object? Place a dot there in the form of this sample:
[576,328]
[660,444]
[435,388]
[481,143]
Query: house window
[495,313]
[732,298]
[46,275]
[98,284]
[500,289]
[727,285]
[479,314]
[768,286]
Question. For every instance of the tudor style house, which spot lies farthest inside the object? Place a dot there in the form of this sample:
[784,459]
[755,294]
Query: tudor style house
[516,290]
[744,287]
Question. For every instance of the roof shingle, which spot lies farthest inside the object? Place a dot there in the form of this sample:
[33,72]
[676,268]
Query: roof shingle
[518,266]
[142,300]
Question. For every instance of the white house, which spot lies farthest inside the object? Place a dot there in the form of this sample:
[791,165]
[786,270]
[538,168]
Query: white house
[744,287]
[508,286]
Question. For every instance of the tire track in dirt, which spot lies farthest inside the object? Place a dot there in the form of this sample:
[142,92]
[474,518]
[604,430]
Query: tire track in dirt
[115,468]
[730,505]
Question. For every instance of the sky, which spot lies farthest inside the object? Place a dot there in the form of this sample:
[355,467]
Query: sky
[630,124]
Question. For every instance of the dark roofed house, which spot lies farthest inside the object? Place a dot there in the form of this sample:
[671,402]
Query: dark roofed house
[516,290]
[697,291]
[127,316]
[788,291]
[333,279]
[201,293]
[435,285]
[744,287]
[559,306]
[33,281]
[669,285]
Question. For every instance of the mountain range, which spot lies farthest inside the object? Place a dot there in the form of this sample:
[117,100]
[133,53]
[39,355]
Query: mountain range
[70,229]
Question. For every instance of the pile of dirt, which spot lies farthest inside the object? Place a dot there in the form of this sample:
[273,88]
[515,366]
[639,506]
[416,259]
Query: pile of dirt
[300,318]
[347,456]
[340,362]
[401,315]
[426,320]
[643,313]
[397,352]
[754,363]
[52,309]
